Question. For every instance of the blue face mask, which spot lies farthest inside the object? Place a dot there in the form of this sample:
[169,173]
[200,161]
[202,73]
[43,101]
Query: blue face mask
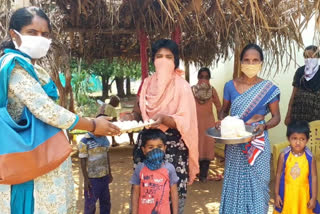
[154,159]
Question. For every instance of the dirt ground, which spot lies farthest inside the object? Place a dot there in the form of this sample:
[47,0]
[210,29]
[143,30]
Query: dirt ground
[203,198]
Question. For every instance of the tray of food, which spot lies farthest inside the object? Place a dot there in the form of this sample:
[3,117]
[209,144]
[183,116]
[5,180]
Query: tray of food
[133,125]
[232,131]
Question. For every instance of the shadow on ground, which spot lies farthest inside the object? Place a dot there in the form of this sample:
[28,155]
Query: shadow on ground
[203,198]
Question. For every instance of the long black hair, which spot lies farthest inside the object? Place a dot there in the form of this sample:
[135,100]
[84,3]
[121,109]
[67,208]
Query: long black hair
[20,18]
[168,44]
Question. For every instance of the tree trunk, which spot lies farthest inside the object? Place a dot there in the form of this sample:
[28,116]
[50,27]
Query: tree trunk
[65,93]
[120,86]
[128,86]
[237,52]
[105,88]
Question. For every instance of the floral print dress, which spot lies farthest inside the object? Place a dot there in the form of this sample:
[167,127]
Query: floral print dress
[54,191]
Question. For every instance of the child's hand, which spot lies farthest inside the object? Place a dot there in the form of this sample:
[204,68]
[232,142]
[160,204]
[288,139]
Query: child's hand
[87,187]
[110,179]
[278,202]
[312,203]
[126,116]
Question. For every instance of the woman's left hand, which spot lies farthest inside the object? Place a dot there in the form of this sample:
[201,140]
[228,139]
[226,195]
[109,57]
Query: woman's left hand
[259,129]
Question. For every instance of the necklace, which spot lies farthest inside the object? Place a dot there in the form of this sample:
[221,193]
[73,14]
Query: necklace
[297,154]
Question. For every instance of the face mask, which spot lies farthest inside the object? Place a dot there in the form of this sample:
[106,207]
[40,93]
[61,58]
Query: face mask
[203,82]
[164,69]
[154,159]
[251,70]
[311,68]
[34,46]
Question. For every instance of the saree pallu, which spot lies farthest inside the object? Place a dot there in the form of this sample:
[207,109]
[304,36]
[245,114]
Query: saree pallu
[246,188]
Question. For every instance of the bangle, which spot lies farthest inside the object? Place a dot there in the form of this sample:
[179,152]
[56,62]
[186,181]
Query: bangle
[94,125]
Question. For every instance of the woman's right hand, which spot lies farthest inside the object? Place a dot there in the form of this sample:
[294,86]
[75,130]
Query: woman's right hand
[218,124]
[105,127]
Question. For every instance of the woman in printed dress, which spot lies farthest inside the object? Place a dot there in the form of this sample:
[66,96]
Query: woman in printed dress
[205,95]
[247,166]
[29,30]
[167,98]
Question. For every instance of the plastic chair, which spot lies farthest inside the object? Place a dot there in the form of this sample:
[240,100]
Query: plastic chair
[314,141]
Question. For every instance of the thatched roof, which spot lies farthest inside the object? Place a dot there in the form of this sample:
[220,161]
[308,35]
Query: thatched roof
[211,29]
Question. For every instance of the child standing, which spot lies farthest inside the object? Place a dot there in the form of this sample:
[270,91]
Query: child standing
[296,179]
[110,111]
[95,165]
[154,181]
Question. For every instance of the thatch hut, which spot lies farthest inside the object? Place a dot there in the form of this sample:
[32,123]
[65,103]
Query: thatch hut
[207,30]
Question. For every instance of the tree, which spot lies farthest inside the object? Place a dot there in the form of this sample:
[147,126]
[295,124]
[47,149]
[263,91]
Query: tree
[104,69]
[126,70]
[116,70]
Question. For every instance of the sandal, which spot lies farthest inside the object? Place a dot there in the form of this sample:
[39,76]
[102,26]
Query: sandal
[215,177]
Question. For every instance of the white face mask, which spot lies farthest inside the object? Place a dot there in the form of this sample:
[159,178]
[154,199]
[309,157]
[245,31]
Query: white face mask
[311,68]
[34,46]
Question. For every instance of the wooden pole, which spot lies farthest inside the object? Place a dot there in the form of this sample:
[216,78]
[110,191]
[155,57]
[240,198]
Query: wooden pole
[143,40]
[237,51]
[236,64]
[187,71]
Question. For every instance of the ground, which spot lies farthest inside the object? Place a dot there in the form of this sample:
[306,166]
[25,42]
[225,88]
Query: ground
[203,198]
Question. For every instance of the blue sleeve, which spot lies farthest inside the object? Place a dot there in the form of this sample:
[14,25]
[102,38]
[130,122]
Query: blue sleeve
[172,174]
[135,179]
[227,91]
[74,123]
[276,98]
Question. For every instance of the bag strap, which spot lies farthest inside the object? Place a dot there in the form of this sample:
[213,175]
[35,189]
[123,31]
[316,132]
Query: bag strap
[7,64]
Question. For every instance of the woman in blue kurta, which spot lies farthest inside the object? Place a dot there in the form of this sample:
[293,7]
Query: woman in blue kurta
[247,166]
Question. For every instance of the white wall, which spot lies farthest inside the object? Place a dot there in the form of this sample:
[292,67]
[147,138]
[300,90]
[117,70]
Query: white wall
[21,3]
[224,72]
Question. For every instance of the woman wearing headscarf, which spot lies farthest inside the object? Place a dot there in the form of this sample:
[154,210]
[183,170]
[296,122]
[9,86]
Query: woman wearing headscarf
[304,103]
[205,95]
[166,97]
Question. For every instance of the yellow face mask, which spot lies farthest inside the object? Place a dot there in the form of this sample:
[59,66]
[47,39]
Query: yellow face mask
[251,70]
